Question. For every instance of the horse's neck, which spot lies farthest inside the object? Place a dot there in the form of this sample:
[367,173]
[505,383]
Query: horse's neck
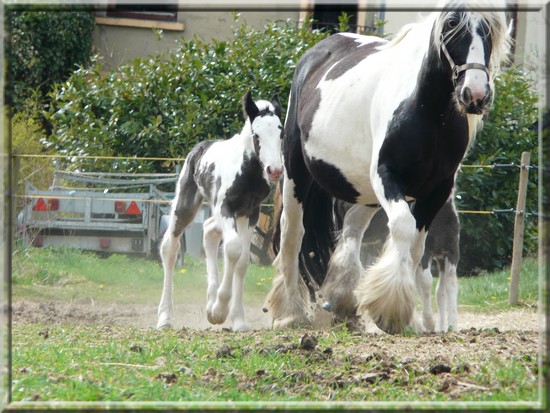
[434,81]
[243,140]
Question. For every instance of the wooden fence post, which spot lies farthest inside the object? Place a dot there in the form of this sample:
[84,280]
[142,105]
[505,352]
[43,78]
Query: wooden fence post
[519,224]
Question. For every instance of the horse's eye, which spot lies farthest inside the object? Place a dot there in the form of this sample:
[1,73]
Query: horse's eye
[484,30]
[454,20]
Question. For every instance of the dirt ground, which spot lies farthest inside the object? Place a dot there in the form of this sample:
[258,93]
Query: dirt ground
[193,316]
[512,336]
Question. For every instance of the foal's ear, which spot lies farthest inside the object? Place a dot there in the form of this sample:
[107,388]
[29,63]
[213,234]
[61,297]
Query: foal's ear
[249,107]
[276,105]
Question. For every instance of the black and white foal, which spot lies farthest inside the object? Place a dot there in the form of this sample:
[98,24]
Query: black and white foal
[233,177]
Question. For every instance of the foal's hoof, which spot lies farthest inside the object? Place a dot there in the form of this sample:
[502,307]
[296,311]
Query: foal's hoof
[164,325]
[214,317]
[241,327]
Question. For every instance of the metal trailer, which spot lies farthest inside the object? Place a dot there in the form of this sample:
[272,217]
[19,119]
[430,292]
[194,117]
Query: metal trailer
[97,219]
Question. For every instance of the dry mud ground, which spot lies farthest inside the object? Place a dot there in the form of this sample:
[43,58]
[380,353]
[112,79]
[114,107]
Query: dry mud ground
[193,316]
[512,335]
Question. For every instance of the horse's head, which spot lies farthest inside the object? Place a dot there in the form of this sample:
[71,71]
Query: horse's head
[473,44]
[265,122]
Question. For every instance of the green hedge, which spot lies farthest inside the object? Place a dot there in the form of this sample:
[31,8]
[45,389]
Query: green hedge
[486,240]
[163,105]
[43,48]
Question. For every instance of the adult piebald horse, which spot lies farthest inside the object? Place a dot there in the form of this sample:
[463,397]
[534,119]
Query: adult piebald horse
[380,124]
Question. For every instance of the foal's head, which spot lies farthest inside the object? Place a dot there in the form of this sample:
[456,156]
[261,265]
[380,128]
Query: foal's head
[472,44]
[265,122]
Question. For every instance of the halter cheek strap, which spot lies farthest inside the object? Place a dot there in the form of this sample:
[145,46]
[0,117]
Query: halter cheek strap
[462,68]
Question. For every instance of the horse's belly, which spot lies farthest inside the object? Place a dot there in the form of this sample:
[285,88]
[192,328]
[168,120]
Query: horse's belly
[342,171]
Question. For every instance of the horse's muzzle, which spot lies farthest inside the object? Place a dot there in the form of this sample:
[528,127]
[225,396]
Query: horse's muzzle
[273,173]
[475,102]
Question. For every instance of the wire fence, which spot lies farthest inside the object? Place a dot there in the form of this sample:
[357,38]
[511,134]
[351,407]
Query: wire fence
[510,166]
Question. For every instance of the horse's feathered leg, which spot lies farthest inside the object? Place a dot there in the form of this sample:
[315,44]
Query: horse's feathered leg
[387,291]
[184,209]
[288,296]
[345,266]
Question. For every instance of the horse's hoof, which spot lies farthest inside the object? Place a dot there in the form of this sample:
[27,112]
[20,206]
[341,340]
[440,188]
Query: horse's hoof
[242,327]
[327,306]
[429,324]
[291,322]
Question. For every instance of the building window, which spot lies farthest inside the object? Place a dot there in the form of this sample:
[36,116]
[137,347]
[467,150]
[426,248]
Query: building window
[159,12]
[325,16]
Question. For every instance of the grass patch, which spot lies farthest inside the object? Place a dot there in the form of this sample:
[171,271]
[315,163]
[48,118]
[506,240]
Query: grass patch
[68,362]
[490,291]
[107,363]
[67,274]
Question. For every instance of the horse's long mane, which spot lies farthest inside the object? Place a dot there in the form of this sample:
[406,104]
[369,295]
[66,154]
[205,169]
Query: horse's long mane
[496,20]
[497,25]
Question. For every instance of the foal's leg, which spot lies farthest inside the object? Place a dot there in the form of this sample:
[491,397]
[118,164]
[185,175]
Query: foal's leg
[236,310]
[187,202]
[452,294]
[424,281]
[345,266]
[232,250]
[288,296]
[212,236]
[446,295]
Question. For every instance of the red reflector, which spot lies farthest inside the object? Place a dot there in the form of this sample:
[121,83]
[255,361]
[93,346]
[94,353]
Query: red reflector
[133,209]
[104,243]
[40,205]
[53,204]
[38,241]
[120,206]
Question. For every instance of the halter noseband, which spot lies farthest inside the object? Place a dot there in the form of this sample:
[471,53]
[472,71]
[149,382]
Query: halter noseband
[462,68]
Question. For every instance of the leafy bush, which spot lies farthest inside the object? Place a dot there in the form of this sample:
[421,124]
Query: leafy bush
[27,136]
[44,48]
[486,240]
[163,105]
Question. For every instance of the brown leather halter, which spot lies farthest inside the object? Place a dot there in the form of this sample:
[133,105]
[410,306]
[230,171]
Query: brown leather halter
[462,68]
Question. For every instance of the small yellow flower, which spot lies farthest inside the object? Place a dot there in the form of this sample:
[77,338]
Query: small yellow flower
[183,270]
[101,286]
[258,283]
[493,297]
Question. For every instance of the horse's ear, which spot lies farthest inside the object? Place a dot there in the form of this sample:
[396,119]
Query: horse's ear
[276,104]
[249,107]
